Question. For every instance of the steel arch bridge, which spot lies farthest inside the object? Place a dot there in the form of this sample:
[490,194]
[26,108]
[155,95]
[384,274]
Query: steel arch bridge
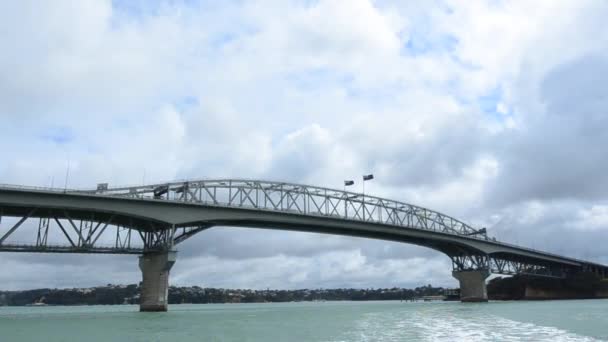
[156,218]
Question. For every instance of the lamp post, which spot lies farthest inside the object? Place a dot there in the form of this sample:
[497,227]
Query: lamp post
[347,183]
[365,178]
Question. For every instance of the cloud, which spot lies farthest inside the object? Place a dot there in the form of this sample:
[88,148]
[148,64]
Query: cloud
[559,154]
[564,227]
[493,112]
[330,269]
[594,218]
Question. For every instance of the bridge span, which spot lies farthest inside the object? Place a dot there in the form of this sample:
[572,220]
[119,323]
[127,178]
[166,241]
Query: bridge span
[152,220]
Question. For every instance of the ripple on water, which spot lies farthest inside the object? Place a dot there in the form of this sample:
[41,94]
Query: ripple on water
[443,323]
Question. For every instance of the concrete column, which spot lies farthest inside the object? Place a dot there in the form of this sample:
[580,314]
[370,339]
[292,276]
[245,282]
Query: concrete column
[472,285]
[155,269]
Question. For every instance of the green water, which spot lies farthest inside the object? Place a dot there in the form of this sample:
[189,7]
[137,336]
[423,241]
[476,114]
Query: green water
[585,320]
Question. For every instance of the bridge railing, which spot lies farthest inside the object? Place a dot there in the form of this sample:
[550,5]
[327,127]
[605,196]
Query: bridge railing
[299,199]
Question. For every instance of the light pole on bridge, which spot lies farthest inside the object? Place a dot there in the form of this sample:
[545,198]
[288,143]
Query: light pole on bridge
[365,178]
[347,183]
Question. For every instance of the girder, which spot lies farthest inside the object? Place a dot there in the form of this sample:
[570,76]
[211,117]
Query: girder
[499,265]
[83,236]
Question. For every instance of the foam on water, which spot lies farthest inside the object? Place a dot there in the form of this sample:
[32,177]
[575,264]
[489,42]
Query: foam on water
[449,323]
[487,328]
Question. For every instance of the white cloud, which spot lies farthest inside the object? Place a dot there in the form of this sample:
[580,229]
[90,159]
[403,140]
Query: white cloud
[349,268]
[594,218]
[318,92]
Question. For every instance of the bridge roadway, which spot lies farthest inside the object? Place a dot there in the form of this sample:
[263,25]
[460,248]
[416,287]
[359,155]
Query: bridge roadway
[151,220]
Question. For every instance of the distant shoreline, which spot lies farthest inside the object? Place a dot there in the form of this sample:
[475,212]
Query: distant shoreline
[129,294]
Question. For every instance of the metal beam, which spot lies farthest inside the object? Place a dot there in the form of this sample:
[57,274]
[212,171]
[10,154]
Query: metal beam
[19,223]
[64,232]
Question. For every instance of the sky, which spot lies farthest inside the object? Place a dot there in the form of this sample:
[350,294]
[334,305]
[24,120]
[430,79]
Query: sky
[494,112]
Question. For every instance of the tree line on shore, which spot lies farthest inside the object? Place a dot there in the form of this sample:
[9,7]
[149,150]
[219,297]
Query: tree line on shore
[129,294]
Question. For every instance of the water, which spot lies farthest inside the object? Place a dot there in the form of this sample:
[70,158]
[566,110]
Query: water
[321,321]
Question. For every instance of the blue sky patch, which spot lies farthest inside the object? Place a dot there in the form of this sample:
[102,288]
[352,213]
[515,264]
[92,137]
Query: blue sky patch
[421,44]
[60,135]
[186,102]
[489,102]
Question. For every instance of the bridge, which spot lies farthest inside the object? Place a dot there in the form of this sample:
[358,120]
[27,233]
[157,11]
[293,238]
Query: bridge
[152,220]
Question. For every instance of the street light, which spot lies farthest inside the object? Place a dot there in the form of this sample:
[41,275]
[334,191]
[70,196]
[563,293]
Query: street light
[365,178]
[348,183]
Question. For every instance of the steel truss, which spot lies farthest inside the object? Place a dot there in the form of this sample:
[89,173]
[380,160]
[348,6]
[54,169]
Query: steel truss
[83,236]
[298,199]
[500,265]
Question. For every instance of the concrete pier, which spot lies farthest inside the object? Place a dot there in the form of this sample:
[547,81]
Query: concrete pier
[472,285]
[155,269]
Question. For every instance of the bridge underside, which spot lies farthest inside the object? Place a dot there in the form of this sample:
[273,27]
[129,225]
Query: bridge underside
[81,232]
[62,223]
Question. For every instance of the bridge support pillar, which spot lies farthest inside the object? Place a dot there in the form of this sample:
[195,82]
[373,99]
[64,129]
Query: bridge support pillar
[155,269]
[472,285]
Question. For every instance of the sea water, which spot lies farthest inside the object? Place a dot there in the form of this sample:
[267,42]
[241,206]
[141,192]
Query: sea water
[575,320]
